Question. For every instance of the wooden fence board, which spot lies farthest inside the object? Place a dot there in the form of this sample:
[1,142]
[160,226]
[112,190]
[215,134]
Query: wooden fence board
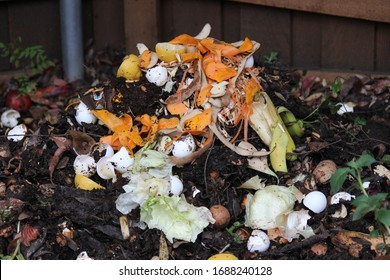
[375,10]
[36,24]
[108,27]
[270,27]
[4,36]
[190,16]
[141,23]
[306,40]
[382,52]
[347,44]
[231,17]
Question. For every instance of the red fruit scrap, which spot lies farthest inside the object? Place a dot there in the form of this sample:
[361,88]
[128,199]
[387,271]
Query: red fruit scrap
[17,101]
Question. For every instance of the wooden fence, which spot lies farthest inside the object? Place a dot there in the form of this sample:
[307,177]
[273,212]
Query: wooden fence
[347,35]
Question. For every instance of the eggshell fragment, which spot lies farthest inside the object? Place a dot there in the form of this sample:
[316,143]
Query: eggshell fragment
[183,147]
[176,185]
[17,133]
[315,201]
[105,169]
[84,165]
[157,75]
[84,115]
[121,160]
[258,241]
[10,118]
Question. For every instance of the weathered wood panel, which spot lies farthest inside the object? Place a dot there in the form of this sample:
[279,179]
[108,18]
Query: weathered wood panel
[270,27]
[306,40]
[4,35]
[36,24]
[374,10]
[347,44]
[189,17]
[382,52]
[108,24]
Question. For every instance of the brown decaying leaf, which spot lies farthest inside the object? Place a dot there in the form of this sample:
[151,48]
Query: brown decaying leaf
[81,141]
[319,249]
[63,144]
[163,250]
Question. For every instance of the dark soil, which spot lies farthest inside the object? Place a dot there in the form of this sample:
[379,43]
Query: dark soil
[29,196]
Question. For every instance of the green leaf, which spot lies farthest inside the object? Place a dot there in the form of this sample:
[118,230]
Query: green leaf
[383,216]
[338,178]
[365,204]
[365,160]
[374,233]
[386,159]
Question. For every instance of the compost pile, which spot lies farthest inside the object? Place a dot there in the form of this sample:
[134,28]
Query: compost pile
[194,149]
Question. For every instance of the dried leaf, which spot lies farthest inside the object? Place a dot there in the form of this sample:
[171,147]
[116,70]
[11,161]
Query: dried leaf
[81,141]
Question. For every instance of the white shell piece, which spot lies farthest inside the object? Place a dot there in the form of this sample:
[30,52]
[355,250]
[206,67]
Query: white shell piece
[345,108]
[176,185]
[250,62]
[141,48]
[121,160]
[105,169]
[204,33]
[315,201]
[84,165]
[184,147]
[219,89]
[335,199]
[83,114]
[83,256]
[17,133]
[157,75]
[103,149]
[342,213]
[258,241]
[10,118]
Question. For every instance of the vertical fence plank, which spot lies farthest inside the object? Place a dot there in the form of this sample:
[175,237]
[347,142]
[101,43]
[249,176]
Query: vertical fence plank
[191,15]
[347,44]
[306,40]
[270,27]
[36,24]
[4,36]
[231,21]
[141,23]
[382,54]
[108,23]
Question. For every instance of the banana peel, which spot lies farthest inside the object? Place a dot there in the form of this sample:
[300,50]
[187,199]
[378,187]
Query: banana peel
[294,126]
[271,129]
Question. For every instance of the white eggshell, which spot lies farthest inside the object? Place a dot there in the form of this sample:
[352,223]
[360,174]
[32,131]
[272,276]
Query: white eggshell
[84,165]
[258,241]
[10,118]
[315,201]
[335,199]
[17,133]
[183,147]
[83,114]
[157,75]
[102,149]
[345,108]
[249,62]
[105,169]
[121,160]
[176,185]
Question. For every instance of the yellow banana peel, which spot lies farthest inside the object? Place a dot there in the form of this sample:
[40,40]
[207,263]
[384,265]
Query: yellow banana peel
[294,126]
[270,127]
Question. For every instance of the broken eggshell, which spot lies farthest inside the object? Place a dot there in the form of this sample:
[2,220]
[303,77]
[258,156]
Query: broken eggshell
[176,185]
[84,115]
[258,241]
[121,160]
[10,118]
[17,133]
[315,201]
[335,199]
[157,75]
[184,146]
[105,169]
[101,149]
[84,165]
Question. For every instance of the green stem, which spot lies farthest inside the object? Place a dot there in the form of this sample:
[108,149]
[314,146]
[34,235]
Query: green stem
[359,179]
[16,251]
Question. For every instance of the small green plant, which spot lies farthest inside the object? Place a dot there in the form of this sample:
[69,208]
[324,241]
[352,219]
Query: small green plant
[336,86]
[364,203]
[273,56]
[33,58]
